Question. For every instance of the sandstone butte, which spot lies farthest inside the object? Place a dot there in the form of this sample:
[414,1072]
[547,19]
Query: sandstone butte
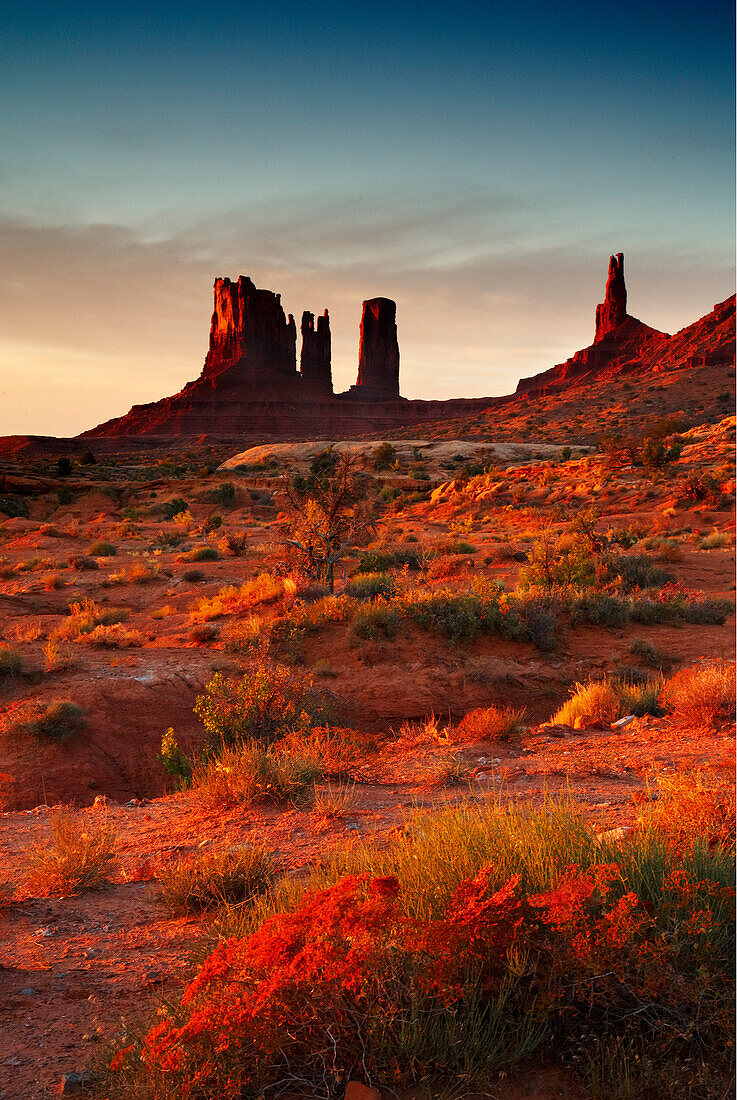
[251,388]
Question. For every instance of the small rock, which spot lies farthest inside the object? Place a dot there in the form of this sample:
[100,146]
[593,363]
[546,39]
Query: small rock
[614,834]
[74,1082]
[29,992]
[357,1091]
[557,731]
[622,722]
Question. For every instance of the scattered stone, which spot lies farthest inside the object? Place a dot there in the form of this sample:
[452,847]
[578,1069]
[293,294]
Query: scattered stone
[74,1082]
[29,992]
[556,731]
[622,722]
[614,834]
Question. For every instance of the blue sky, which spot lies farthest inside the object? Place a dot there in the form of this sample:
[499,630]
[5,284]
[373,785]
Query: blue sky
[476,162]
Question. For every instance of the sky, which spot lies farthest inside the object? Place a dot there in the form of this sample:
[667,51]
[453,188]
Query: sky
[476,162]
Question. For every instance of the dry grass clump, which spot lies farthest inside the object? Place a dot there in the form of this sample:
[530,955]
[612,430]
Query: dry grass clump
[241,635]
[223,876]
[102,549]
[11,663]
[338,753]
[690,809]
[53,582]
[702,696]
[140,572]
[496,723]
[335,800]
[596,701]
[55,659]
[114,635]
[56,721]
[235,599]
[248,773]
[80,855]
[84,616]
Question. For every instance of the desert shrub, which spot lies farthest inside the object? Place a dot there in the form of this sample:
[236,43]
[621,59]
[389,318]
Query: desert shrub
[242,635]
[235,543]
[337,753]
[82,562]
[630,571]
[375,622]
[454,950]
[224,494]
[84,616]
[166,540]
[113,635]
[715,541]
[11,663]
[375,561]
[80,855]
[102,549]
[53,582]
[649,654]
[600,610]
[638,696]
[371,586]
[140,572]
[384,456]
[541,619]
[174,761]
[496,723]
[236,599]
[56,721]
[247,772]
[172,508]
[63,466]
[561,563]
[201,553]
[460,547]
[702,696]
[267,703]
[702,488]
[461,617]
[223,876]
[597,701]
[87,459]
[202,633]
[193,576]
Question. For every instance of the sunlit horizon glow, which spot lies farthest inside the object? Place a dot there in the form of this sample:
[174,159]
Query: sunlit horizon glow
[478,169]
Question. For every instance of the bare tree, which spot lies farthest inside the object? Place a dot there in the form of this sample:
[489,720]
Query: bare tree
[333,508]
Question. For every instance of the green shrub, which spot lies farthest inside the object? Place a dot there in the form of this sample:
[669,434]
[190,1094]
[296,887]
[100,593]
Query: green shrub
[371,586]
[267,703]
[384,456]
[102,549]
[246,773]
[207,880]
[193,576]
[630,571]
[375,622]
[14,507]
[11,663]
[541,618]
[174,760]
[224,494]
[55,721]
[201,553]
[375,561]
[173,508]
[561,563]
[460,547]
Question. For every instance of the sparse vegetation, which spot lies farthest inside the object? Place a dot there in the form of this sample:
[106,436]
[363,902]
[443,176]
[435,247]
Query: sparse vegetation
[78,856]
[223,876]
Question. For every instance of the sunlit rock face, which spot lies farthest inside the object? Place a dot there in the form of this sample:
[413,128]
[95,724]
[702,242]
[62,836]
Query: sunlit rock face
[314,362]
[612,312]
[249,328]
[378,351]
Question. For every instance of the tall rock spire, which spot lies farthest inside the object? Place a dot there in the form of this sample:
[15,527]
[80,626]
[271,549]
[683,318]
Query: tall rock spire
[612,312]
[314,360]
[378,351]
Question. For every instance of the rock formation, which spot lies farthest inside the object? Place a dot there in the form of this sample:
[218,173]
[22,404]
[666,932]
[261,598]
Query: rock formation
[620,339]
[314,362]
[249,330]
[612,312]
[378,350]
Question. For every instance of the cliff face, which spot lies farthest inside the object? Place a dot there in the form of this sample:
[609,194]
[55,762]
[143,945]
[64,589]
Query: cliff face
[248,329]
[250,388]
[378,350]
